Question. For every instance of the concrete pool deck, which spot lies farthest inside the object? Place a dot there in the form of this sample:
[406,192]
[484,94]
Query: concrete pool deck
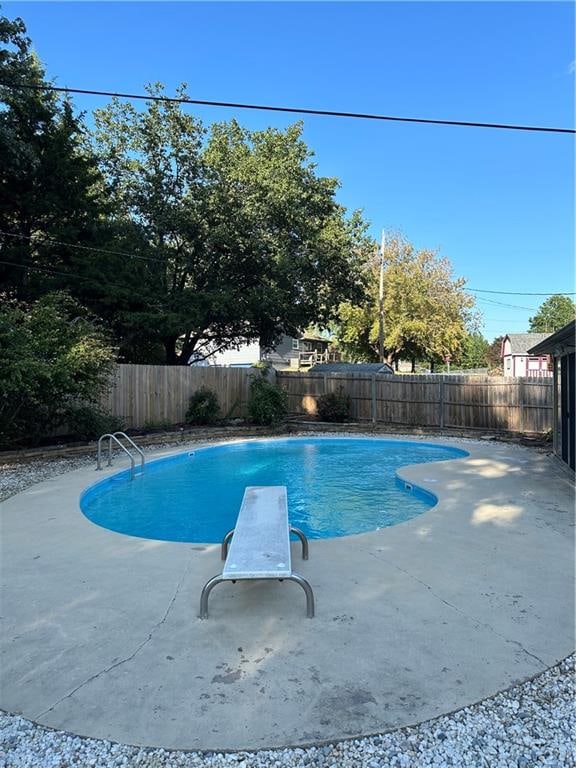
[101,635]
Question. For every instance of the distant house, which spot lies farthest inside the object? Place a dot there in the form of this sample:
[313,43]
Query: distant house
[290,353]
[297,354]
[244,357]
[562,346]
[352,368]
[518,361]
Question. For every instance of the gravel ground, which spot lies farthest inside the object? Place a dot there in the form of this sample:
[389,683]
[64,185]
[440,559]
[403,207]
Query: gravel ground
[532,724]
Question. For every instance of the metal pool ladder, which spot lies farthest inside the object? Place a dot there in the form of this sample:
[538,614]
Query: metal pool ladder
[114,438]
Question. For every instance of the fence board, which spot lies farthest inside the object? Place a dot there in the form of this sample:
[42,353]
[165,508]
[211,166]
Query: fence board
[469,402]
[159,394]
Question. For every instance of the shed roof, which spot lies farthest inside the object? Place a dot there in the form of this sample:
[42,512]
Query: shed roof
[520,343]
[556,343]
[352,368]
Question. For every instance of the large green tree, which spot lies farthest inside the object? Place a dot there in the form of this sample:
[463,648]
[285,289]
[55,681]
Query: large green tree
[49,183]
[233,235]
[427,313]
[553,314]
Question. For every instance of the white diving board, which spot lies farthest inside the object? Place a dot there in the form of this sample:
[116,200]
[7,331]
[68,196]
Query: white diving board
[260,547]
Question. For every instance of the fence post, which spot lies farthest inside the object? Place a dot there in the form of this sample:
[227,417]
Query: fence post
[521,400]
[325,378]
[373,393]
[441,404]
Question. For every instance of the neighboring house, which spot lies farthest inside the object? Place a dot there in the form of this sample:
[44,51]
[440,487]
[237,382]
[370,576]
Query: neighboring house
[352,368]
[518,361]
[244,357]
[289,354]
[300,354]
[562,347]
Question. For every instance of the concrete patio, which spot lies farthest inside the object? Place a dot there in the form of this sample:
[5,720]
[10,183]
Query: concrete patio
[101,637]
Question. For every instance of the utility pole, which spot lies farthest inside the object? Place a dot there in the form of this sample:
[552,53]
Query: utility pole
[381,301]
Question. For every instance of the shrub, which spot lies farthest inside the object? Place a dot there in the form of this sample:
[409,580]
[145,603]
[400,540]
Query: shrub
[52,356]
[203,407]
[334,406]
[87,422]
[268,403]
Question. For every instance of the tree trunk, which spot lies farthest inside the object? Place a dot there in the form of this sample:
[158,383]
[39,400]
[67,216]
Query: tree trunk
[171,354]
[413,369]
[431,366]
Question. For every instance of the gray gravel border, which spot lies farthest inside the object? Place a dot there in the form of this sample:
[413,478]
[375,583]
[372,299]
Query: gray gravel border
[529,725]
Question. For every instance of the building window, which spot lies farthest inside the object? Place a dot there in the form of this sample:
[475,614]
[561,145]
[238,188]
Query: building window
[295,344]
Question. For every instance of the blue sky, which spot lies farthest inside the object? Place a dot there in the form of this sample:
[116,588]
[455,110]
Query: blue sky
[498,204]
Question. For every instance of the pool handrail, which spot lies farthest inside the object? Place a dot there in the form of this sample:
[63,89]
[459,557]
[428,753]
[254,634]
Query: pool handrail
[133,444]
[111,438]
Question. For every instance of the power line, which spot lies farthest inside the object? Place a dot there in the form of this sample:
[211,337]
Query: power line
[82,247]
[292,110]
[109,252]
[520,293]
[50,271]
[503,304]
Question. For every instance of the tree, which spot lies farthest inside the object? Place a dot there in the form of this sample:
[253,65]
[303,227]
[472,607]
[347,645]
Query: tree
[49,183]
[234,235]
[52,357]
[494,354]
[474,351]
[427,313]
[553,314]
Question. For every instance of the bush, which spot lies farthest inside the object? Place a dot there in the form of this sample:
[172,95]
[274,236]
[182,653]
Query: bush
[87,422]
[334,406]
[268,404]
[203,407]
[52,357]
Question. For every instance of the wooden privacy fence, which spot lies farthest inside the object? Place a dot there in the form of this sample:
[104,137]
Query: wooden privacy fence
[479,402]
[159,394]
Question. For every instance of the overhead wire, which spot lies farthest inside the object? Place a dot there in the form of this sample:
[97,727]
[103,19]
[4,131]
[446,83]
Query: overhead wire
[291,110]
[504,304]
[109,252]
[522,293]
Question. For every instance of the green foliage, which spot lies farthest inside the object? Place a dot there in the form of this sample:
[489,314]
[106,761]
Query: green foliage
[49,183]
[553,314]
[268,404]
[494,356]
[427,312]
[237,237]
[52,357]
[474,352]
[88,422]
[203,407]
[201,239]
[334,406]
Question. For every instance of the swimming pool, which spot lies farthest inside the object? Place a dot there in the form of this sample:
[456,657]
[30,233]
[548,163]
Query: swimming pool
[336,487]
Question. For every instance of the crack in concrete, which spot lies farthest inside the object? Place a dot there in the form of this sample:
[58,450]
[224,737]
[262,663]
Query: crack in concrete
[459,610]
[128,658]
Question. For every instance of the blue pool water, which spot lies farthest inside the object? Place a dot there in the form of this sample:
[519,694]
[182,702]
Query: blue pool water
[336,487]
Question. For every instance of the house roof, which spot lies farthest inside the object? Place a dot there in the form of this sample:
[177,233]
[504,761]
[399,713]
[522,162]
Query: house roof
[520,343]
[351,368]
[561,341]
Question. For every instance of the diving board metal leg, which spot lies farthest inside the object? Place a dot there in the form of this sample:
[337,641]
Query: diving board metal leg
[225,542]
[309,594]
[302,536]
[208,587]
